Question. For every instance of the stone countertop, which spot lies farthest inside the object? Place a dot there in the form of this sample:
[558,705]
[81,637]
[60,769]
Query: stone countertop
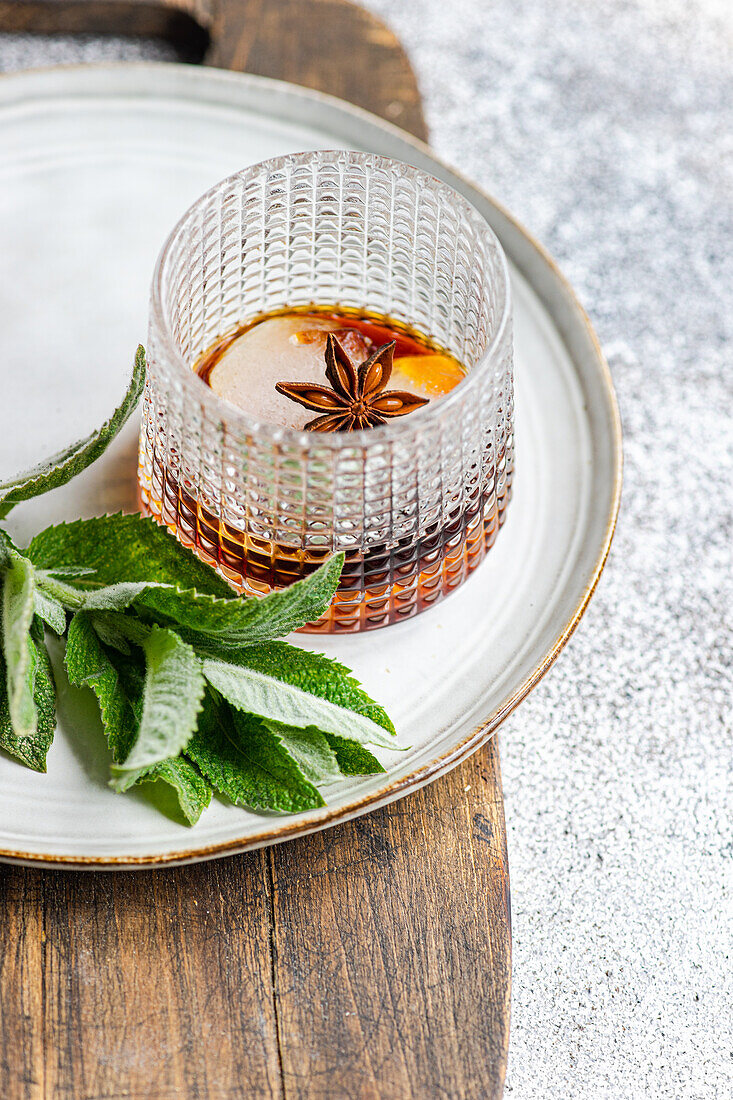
[608,130]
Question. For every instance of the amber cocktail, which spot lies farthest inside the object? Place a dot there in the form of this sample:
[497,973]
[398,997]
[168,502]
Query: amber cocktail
[330,369]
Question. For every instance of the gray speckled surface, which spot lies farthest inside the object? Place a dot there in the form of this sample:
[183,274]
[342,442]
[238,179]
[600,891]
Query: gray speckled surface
[608,129]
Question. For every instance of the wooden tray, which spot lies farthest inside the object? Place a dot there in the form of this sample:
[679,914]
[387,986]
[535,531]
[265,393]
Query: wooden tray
[325,967]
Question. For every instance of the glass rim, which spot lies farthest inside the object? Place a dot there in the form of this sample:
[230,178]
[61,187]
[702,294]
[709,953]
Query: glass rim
[236,417]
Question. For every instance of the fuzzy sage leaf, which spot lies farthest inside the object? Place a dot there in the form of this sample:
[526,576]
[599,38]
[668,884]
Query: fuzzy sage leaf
[351,757]
[136,562]
[310,750]
[88,665]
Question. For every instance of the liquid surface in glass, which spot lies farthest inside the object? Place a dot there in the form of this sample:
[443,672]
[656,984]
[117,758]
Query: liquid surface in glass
[245,366]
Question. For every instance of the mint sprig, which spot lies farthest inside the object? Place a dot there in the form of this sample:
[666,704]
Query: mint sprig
[194,688]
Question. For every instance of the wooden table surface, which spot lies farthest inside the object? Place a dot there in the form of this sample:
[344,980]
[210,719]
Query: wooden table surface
[371,960]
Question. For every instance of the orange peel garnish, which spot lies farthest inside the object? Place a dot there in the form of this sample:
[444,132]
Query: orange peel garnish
[436,374]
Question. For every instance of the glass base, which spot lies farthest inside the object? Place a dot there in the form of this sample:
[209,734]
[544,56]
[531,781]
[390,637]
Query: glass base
[383,586]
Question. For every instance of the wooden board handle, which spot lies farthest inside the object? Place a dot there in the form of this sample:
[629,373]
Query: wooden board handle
[303,41]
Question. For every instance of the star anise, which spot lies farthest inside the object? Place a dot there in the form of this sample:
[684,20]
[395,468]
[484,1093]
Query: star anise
[357,398]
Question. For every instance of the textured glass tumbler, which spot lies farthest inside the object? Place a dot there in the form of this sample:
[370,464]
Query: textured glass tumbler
[416,503]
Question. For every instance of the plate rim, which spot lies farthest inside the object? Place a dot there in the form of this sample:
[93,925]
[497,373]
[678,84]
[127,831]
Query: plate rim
[290,828]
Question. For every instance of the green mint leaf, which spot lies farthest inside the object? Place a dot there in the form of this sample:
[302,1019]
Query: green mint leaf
[31,751]
[245,762]
[123,548]
[240,622]
[89,665]
[112,597]
[351,757]
[262,695]
[21,658]
[174,689]
[310,750]
[191,788]
[50,611]
[67,571]
[65,594]
[109,633]
[118,683]
[7,548]
[62,467]
[116,597]
[120,626]
[311,672]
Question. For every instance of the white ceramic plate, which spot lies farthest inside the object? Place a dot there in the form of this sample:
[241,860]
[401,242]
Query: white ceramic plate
[97,165]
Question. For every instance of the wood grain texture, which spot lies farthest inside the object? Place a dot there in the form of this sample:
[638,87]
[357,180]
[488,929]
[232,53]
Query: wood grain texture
[400,922]
[150,985]
[329,45]
[372,960]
